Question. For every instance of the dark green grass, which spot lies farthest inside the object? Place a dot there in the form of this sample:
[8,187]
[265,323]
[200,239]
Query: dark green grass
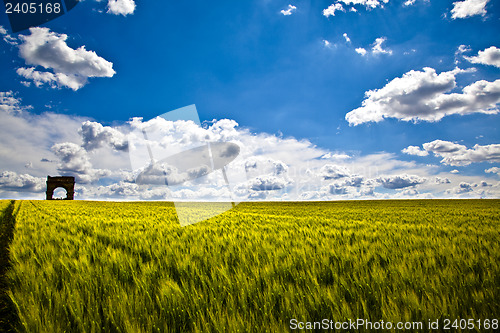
[130,267]
[8,315]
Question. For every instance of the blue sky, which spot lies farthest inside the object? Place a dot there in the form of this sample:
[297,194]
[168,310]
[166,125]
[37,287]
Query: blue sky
[286,72]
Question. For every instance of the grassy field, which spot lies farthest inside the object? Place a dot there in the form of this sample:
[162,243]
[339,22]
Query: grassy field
[129,267]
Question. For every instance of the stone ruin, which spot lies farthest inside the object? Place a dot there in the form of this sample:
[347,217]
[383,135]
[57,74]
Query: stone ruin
[67,183]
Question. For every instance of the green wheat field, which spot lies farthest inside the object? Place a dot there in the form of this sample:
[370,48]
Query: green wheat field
[83,266]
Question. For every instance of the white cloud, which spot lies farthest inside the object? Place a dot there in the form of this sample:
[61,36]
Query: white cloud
[377,46]
[11,181]
[164,174]
[423,96]
[367,3]
[455,171]
[493,170]
[337,189]
[326,43]
[6,37]
[330,11]
[410,192]
[347,39]
[9,103]
[291,9]
[339,5]
[66,67]
[330,171]
[361,51]
[463,188]
[440,180]
[476,189]
[490,56]
[409,2]
[443,147]
[273,168]
[121,7]
[336,156]
[460,51]
[468,8]
[400,181]
[459,155]
[27,138]
[268,183]
[57,80]
[95,135]
[463,49]
[75,161]
[354,181]
[415,150]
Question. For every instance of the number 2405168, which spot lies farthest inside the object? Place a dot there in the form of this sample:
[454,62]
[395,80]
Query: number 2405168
[33,8]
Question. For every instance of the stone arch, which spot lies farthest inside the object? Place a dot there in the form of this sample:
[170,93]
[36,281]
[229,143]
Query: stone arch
[67,183]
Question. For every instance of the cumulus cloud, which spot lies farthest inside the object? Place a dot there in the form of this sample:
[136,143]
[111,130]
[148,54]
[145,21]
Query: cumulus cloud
[272,167]
[164,174]
[493,170]
[268,183]
[468,8]
[361,51]
[338,5]
[57,80]
[11,181]
[95,135]
[460,51]
[11,104]
[119,190]
[75,161]
[490,56]
[6,37]
[424,96]
[411,192]
[291,9]
[336,156]
[464,188]
[353,181]
[346,37]
[440,180]
[330,11]
[400,181]
[26,137]
[377,46]
[366,3]
[330,171]
[260,165]
[415,150]
[463,49]
[338,189]
[344,183]
[459,155]
[66,67]
[121,7]
[480,189]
